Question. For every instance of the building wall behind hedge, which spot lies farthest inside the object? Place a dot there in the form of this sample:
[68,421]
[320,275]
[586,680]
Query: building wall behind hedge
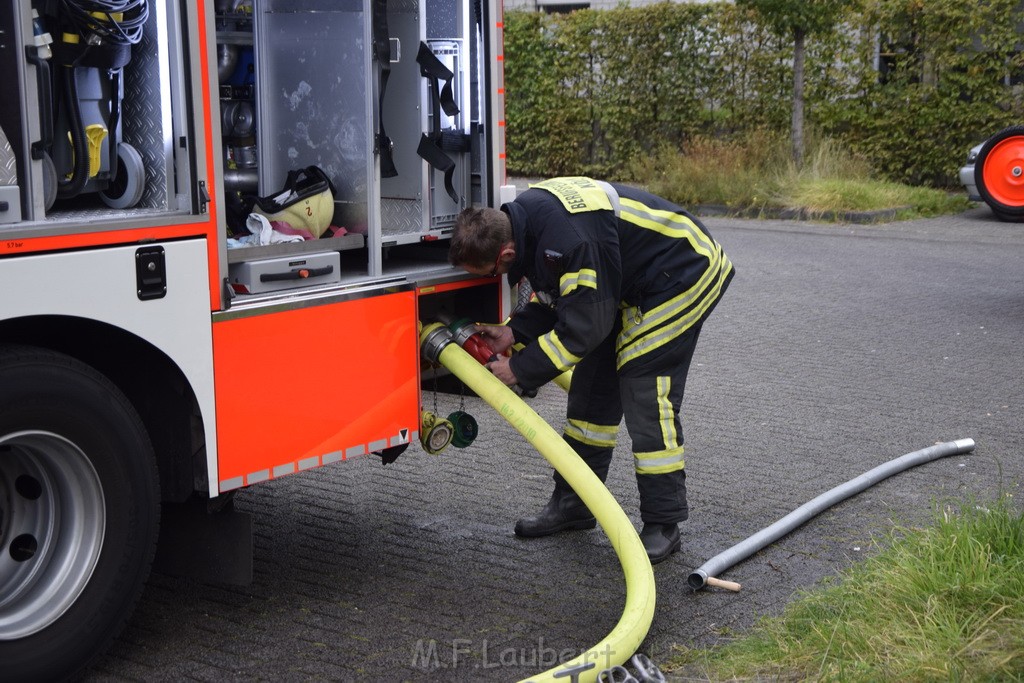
[594,91]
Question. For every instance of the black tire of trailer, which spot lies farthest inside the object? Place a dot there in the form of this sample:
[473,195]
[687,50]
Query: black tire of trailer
[999,174]
[50,399]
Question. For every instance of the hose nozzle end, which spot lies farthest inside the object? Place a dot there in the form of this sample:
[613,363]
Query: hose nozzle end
[697,580]
[964,445]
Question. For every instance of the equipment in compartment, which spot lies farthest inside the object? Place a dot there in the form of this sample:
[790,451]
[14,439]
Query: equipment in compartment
[236,75]
[446,147]
[10,195]
[286,272]
[433,115]
[82,148]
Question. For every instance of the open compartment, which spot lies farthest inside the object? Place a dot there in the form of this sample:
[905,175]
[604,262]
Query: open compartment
[432,111]
[96,120]
[381,96]
[295,107]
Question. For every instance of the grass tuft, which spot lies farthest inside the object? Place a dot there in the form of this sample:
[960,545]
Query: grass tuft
[757,172]
[939,603]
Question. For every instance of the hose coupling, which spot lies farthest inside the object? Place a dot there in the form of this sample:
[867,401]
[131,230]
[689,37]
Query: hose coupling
[433,339]
[464,427]
[464,333]
[435,433]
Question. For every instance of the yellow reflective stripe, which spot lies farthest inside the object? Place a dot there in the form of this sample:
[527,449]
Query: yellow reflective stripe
[666,415]
[556,352]
[659,462]
[676,328]
[671,308]
[667,223]
[586,277]
[704,294]
[592,434]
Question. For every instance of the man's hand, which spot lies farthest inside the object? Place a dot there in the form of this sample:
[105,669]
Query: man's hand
[498,337]
[501,369]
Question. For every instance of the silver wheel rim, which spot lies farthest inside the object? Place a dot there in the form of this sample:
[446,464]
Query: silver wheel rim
[52,519]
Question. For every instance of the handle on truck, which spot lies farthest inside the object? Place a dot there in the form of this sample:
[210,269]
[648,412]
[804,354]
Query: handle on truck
[45,102]
[297,274]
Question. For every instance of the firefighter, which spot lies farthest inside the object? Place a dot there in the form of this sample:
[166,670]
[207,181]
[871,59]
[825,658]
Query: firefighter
[623,281]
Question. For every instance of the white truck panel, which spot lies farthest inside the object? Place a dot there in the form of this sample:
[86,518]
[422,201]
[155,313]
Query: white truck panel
[100,285]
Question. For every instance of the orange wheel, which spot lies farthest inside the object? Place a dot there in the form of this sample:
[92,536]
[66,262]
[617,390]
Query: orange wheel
[999,173]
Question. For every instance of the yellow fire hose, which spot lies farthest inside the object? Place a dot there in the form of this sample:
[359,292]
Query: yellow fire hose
[638,612]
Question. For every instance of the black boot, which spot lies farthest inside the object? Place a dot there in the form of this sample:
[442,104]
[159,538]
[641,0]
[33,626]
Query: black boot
[564,512]
[660,541]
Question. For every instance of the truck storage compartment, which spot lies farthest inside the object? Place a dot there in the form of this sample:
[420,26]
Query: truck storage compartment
[350,379]
[432,112]
[383,97]
[96,118]
[273,274]
[294,95]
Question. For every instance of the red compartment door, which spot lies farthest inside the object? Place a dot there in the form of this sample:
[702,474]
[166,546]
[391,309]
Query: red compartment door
[304,387]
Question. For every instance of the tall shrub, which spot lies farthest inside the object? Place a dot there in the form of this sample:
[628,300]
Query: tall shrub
[930,81]
[547,117]
[595,91]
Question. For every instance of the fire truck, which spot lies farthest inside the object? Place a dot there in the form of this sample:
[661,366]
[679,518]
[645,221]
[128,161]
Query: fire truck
[222,221]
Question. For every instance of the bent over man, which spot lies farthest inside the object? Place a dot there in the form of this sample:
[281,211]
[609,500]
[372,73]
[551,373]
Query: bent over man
[624,280]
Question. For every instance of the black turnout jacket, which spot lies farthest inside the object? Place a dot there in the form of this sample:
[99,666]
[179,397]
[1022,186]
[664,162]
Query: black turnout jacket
[603,257]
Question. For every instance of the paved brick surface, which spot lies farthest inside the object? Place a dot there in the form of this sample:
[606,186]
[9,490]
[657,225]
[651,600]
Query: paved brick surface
[837,348]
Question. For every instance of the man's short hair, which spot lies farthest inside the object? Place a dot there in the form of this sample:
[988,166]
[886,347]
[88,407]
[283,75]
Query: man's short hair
[478,237]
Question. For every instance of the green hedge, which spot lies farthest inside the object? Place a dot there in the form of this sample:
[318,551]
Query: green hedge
[595,91]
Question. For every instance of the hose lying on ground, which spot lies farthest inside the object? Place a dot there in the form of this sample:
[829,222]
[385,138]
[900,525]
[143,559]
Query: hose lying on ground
[704,575]
[638,612]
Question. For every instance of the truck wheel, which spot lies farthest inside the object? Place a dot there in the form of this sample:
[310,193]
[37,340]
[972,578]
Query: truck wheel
[999,173]
[79,513]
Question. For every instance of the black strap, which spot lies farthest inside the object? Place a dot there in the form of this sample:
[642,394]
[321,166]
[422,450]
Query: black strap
[432,146]
[115,118]
[106,56]
[432,154]
[434,69]
[382,53]
[455,141]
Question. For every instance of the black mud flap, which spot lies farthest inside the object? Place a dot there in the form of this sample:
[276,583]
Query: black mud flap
[196,543]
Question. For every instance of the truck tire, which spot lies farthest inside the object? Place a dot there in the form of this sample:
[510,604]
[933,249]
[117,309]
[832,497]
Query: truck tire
[79,513]
[999,173]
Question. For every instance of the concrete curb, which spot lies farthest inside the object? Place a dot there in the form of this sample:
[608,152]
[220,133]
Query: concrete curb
[800,214]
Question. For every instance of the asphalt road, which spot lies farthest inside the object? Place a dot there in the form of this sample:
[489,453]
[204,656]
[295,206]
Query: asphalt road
[836,348]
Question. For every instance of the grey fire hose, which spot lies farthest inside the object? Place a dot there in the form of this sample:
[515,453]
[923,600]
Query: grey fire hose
[704,575]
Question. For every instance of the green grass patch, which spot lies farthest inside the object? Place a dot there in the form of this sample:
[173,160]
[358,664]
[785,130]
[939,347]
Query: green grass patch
[943,603]
[756,172]
[835,195]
